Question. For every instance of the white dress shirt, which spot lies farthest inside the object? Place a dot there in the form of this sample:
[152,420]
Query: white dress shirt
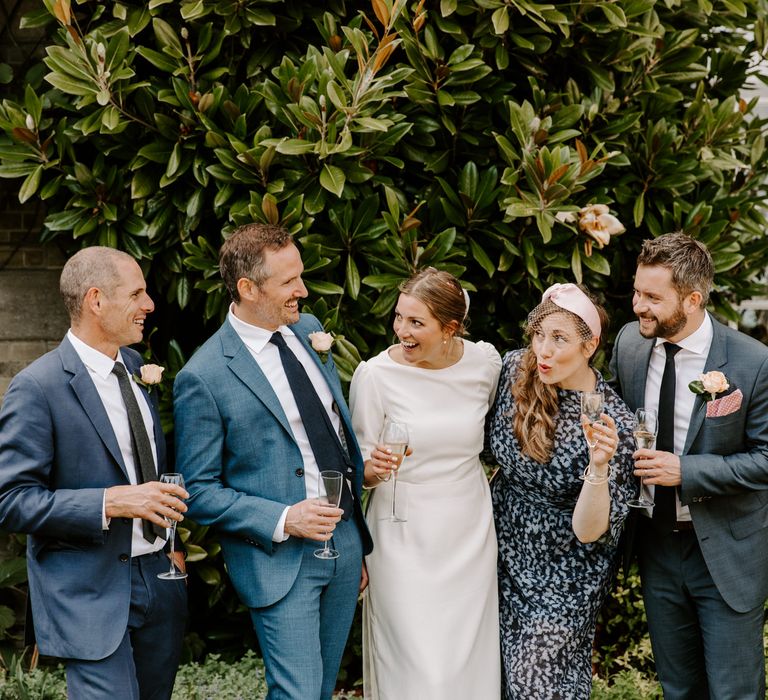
[99,368]
[267,357]
[689,364]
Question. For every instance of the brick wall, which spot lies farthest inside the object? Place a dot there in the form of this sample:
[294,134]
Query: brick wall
[32,317]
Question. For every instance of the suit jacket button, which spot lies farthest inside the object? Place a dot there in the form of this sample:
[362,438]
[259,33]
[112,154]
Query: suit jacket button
[126,521]
[124,557]
[299,472]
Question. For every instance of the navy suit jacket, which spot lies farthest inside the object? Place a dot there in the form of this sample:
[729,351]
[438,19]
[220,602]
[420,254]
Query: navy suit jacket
[241,463]
[724,462]
[58,453]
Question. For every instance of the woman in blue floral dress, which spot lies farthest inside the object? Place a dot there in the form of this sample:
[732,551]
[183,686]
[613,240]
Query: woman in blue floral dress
[558,514]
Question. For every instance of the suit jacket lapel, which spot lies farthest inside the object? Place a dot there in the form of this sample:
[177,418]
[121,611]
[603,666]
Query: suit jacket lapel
[640,373]
[248,371]
[717,358]
[89,399]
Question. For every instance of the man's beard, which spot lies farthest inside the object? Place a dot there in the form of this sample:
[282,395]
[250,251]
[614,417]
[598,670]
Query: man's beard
[668,327]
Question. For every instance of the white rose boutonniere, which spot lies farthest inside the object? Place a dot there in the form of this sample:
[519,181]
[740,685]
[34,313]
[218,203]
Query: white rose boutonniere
[710,383]
[149,375]
[322,343]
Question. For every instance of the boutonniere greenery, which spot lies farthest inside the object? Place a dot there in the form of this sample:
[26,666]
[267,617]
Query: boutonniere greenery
[711,383]
[321,343]
[149,376]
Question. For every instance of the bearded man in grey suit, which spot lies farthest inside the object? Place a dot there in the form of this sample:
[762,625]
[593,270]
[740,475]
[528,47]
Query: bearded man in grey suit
[703,547]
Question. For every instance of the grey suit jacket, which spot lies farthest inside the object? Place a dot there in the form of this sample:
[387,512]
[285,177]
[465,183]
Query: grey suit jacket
[58,453]
[725,460]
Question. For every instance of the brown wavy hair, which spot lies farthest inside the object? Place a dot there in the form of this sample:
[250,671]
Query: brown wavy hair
[536,406]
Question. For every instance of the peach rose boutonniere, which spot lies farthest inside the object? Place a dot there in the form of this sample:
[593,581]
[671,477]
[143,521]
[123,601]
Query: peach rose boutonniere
[711,383]
[322,343]
[149,376]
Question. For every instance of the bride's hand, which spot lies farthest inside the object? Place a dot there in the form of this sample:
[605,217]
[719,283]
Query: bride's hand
[381,464]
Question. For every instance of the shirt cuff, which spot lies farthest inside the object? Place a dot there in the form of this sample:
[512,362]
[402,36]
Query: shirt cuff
[279,534]
[104,519]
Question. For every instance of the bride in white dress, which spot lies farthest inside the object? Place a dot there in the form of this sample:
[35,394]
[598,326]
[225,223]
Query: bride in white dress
[430,613]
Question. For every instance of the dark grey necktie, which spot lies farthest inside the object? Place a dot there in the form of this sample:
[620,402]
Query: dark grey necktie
[664,512]
[142,448]
[323,439]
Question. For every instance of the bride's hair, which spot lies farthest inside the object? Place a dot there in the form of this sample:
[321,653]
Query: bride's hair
[535,402]
[442,294]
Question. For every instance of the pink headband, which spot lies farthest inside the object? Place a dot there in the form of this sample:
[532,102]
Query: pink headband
[571,298]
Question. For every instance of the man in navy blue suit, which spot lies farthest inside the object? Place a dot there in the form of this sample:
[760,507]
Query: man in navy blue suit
[80,453]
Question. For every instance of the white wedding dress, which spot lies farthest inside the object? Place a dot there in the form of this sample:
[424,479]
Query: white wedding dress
[430,613]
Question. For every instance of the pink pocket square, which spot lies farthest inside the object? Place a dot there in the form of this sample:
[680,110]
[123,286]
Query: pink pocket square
[725,405]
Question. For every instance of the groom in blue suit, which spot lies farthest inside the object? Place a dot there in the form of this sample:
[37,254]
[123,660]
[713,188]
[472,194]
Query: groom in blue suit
[703,547]
[259,413]
[80,451]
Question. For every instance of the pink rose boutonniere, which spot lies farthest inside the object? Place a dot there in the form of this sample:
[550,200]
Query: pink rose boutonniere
[711,383]
[322,343]
[149,375]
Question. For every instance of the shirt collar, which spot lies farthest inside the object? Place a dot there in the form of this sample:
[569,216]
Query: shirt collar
[697,342]
[92,358]
[254,337]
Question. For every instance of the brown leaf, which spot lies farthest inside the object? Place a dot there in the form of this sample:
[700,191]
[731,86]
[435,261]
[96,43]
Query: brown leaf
[582,151]
[63,12]
[381,11]
[269,207]
[22,134]
[555,176]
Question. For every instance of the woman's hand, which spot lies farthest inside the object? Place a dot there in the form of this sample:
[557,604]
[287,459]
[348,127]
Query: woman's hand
[381,464]
[607,439]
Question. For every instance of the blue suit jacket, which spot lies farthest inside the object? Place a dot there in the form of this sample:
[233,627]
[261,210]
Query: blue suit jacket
[724,462]
[241,463]
[58,453]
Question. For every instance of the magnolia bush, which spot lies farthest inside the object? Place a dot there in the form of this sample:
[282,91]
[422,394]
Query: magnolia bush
[514,143]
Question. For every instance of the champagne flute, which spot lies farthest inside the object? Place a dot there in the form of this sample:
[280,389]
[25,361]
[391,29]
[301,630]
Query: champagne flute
[330,493]
[394,436]
[592,408]
[644,428]
[173,572]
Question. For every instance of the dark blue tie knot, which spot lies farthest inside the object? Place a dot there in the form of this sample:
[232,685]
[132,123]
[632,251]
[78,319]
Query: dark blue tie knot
[277,339]
[671,349]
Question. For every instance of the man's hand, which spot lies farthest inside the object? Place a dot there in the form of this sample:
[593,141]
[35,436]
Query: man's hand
[657,467]
[312,520]
[152,500]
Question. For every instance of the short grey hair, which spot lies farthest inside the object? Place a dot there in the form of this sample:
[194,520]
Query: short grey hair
[687,259]
[90,267]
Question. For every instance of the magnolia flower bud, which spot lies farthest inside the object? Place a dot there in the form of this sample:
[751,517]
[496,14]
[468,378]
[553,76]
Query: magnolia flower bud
[184,33]
[101,52]
[30,122]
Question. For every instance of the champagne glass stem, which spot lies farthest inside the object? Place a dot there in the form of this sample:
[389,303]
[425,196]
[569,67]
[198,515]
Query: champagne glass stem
[394,493]
[172,570]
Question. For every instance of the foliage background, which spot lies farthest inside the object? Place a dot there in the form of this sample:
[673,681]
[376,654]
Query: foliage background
[390,135]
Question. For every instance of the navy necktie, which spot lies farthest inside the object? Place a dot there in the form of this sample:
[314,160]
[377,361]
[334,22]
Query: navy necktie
[142,449]
[664,512]
[326,446]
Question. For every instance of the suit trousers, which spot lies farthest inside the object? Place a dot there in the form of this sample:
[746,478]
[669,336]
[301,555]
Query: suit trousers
[702,647]
[143,667]
[303,635]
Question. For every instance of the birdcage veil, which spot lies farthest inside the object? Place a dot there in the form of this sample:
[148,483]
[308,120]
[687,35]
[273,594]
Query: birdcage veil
[570,299]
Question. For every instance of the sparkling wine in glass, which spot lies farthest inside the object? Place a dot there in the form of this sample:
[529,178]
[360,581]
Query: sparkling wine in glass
[331,483]
[592,408]
[173,572]
[644,428]
[394,435]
